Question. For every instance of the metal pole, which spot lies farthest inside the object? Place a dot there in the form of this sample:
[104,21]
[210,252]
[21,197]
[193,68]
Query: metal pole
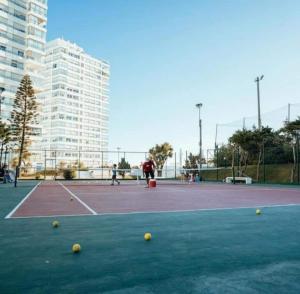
[207,158]
[233,163]
[258,105]
[238,162]
[264,166]
[17,175]
[257,80]
[102,164]
[217,150]
[200,153]
[175,164]
[298,160]
[180,158]
[289,112]
[55,165]
[78,167]
[45,165]
[216,135]
[199,105]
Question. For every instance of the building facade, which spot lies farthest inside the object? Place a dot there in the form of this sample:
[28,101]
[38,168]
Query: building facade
[75,107]
[22,44]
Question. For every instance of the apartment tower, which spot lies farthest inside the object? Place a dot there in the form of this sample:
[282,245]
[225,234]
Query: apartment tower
[75,108]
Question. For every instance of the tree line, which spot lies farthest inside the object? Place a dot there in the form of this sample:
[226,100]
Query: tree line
[256,146]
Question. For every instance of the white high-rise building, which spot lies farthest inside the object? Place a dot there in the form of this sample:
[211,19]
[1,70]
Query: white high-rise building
[22,42]
[75,108]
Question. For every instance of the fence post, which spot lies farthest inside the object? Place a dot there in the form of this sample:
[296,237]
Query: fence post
[175,166]
[264,166]
[206,159]
[233,162]
[217,150]
[55,169]
[102,164]
[17,175]
[298,164]
[78,167]
[45,163]
[238,161]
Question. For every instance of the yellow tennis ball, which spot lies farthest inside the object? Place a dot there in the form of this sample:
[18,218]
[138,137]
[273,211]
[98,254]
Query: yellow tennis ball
[55,224]
[258,212]
[76,248]
[147,236]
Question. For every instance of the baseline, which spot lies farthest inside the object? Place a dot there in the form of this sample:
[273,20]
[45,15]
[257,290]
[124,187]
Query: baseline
[159,211]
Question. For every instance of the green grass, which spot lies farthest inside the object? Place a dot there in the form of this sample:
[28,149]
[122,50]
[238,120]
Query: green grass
[274,173]
[228,251]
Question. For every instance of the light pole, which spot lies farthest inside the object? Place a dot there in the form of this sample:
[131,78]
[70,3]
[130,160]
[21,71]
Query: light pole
[1,98]
[199,105]
[257,80]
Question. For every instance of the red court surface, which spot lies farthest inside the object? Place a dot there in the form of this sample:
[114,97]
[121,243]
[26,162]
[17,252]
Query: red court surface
[53,198]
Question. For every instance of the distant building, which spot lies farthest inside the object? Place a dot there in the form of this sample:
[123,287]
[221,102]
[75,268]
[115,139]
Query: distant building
[75,107]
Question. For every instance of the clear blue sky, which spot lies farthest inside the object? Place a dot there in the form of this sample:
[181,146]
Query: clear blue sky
[166,56]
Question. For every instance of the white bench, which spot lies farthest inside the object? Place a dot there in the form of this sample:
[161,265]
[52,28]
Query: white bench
[247,180]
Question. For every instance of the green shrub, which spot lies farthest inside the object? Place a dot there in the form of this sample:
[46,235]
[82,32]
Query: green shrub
[69,174]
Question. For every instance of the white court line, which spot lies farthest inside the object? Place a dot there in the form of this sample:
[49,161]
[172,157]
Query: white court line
[161,211]
[22,201]
[54,215]
[83,203]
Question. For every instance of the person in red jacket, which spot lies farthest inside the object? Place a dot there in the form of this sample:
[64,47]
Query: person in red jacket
[148,169]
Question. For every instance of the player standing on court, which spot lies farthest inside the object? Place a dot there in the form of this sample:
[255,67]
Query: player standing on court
[114,175]
[148,169]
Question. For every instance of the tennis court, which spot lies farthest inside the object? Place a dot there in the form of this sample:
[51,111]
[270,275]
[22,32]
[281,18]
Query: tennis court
[206,238]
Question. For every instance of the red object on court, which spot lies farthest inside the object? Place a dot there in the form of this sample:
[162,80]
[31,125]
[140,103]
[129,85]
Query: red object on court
[152,183]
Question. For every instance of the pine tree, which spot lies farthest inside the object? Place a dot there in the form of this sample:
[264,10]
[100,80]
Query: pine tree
[23,116]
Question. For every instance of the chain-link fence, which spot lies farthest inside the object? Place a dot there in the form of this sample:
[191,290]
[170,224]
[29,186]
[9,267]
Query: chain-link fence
[278,164]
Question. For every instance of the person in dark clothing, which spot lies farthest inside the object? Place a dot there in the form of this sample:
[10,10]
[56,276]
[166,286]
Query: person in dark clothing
[114,175]
[148,169]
